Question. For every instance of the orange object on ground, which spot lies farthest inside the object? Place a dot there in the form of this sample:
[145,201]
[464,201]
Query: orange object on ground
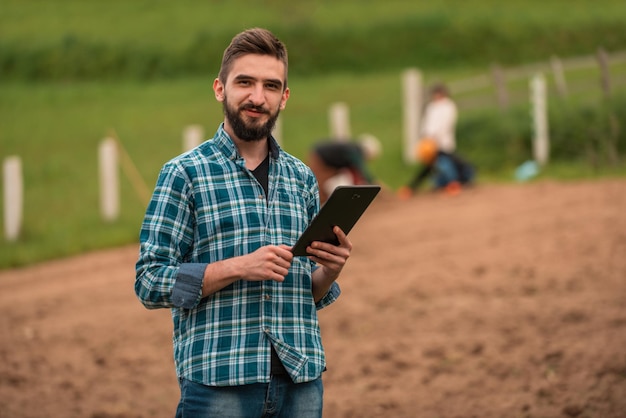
[453,188]
[404,192]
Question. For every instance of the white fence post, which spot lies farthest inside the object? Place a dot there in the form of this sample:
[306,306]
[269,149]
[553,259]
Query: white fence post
[109,179]
[339,116]
[192,136]
[277,133]
[13,197]
[541,145]
[413,91]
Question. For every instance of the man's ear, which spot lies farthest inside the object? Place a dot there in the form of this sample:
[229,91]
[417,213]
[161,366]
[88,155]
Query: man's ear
[218,88]
[283,101]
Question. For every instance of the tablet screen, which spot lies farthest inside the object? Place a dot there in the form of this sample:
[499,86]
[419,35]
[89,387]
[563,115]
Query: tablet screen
[343,208]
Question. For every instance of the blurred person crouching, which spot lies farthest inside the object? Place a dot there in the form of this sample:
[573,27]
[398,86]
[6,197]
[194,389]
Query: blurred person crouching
[446,170]
[341,163]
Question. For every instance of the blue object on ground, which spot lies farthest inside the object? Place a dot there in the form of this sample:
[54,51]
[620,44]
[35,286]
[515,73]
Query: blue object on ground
[526,171]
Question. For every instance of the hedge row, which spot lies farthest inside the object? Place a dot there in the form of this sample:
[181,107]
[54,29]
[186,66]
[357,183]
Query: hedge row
[427,43]
[592,133]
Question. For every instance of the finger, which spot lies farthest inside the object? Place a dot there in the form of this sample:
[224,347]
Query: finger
[338,232]
[343,238]
[342,250]
[279,261]
[278,277]
[279,272]
[284,257]
[330,265]
[327,257]
[285,252]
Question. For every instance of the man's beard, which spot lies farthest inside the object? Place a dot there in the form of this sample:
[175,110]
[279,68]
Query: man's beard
[249,132]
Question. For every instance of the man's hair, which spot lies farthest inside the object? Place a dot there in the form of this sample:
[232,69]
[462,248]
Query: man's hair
[252,41]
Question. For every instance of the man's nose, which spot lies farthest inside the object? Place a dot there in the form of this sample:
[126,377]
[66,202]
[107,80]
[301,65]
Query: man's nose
[257,95]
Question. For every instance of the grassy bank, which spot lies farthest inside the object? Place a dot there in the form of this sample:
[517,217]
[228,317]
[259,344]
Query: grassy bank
[56,128]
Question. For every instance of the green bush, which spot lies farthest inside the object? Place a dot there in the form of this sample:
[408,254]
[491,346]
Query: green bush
[495,142]
[592,133]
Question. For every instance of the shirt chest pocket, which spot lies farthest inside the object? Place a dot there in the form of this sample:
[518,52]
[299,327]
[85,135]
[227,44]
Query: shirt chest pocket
[289,216]
[231,223]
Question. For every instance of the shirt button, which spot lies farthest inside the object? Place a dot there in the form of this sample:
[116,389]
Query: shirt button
[261,197]
[267,297]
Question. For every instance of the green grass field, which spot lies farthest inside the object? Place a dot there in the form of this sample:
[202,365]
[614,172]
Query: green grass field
[56,126]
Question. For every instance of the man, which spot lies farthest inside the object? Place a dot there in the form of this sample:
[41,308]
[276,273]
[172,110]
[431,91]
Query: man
[215,249]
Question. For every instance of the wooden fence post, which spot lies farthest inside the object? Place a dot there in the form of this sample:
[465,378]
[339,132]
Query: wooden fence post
[339,116]
[413,92]
[559,76]
[541,145]
[192,136]
[605,76]
[13,197]
[109,179]
[500,82]
[132,173]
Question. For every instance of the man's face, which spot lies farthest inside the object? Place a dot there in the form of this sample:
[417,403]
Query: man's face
[253,96]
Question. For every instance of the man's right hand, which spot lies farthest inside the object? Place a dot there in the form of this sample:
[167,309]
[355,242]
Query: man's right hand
[270,262]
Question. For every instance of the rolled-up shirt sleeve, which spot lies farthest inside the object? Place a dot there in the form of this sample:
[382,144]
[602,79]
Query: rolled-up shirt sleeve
[166,237]
[187,290]
[330,296]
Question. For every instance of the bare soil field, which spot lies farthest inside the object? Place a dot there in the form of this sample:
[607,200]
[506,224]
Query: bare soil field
[503,301]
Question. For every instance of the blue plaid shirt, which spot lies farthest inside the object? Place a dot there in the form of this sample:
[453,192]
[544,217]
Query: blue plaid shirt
[207,206]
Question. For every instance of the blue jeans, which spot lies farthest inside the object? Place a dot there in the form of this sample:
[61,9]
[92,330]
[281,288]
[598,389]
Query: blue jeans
[278,398]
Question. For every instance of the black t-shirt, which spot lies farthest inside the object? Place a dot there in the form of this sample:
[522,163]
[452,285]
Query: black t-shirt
[261,173]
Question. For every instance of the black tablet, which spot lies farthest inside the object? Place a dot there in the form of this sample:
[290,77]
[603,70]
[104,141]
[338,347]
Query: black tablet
[343,208]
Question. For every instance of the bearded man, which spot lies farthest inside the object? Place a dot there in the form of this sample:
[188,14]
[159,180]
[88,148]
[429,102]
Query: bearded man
[215,249]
